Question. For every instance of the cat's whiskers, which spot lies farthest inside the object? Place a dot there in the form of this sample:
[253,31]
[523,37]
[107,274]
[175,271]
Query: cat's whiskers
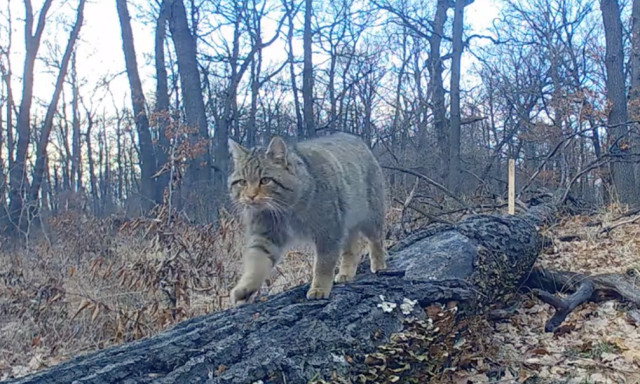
[275,211]
[278,206]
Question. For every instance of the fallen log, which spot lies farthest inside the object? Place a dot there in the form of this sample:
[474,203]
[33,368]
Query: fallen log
[437,280]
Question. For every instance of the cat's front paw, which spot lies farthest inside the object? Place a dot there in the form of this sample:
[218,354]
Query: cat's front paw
[318,293]
[240,295]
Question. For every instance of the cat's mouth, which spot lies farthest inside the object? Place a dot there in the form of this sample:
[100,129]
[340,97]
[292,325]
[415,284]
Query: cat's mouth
[257,203]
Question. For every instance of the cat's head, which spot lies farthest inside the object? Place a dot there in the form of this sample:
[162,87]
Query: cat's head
[264,178]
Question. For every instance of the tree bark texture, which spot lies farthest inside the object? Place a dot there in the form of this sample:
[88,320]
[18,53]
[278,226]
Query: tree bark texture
[147,156]
[288,339]
[623,174]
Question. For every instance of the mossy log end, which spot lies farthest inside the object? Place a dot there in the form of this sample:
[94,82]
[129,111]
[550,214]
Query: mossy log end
[455,269]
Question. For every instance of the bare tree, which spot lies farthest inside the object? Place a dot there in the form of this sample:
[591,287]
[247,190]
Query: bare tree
[291,11]
[147,157]
[454,129]
[17,174]
[43,142]
[623,175]
[162,101]
[307,71]
[76,163]
[199,173]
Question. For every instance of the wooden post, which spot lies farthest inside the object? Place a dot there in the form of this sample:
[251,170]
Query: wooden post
[512,187]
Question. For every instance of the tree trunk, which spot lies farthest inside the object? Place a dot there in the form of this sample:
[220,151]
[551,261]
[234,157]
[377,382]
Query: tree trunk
[288,339]
[454,129]
[256,64]
[634,92]
[92,168]
[17,174]
[307,71]
[623,174]
[436,86]
[292,68]
[43,142]
[147,157]
[162,103]
[634,62]
[76,147]
[199,172]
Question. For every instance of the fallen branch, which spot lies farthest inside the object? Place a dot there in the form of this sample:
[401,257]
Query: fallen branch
[565,306]
[610,286]
[569,238]
[607,229]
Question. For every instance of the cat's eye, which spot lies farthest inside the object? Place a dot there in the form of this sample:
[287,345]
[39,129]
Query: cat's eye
[241,182]
[266,181]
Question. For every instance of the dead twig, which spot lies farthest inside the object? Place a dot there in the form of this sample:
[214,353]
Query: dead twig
[425,214]
[434,183]
[607,229]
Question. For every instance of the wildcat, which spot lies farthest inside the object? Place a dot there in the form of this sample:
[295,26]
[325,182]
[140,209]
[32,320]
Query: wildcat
[328,190]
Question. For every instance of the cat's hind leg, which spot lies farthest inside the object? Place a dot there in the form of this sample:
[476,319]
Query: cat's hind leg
[374,232]
[350,258]
[327,256]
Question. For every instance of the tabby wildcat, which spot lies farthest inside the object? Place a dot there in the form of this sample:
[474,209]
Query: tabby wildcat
[328,190]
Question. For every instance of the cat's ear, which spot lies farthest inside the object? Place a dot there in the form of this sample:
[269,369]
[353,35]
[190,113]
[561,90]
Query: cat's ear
[237,151]
[277,150]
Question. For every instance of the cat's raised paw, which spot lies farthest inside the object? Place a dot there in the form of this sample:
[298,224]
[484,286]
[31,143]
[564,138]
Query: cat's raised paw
[318,293]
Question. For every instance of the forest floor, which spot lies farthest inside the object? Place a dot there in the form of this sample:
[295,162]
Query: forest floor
[598,343]
[91,289]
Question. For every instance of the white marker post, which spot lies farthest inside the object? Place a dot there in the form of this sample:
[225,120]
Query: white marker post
[512,187]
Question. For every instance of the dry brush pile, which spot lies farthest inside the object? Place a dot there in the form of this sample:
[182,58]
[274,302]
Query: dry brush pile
[90,283]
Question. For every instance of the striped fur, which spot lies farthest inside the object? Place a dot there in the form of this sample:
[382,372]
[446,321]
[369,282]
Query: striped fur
[328,191]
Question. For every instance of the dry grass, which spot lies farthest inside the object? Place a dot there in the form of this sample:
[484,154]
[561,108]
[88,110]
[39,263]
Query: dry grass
[95,283]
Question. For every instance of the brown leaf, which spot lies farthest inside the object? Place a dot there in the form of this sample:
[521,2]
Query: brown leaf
[83,304]
[564,329]
[96,310]
[540,351]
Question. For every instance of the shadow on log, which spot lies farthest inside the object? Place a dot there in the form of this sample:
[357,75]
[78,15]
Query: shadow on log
[445,272]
